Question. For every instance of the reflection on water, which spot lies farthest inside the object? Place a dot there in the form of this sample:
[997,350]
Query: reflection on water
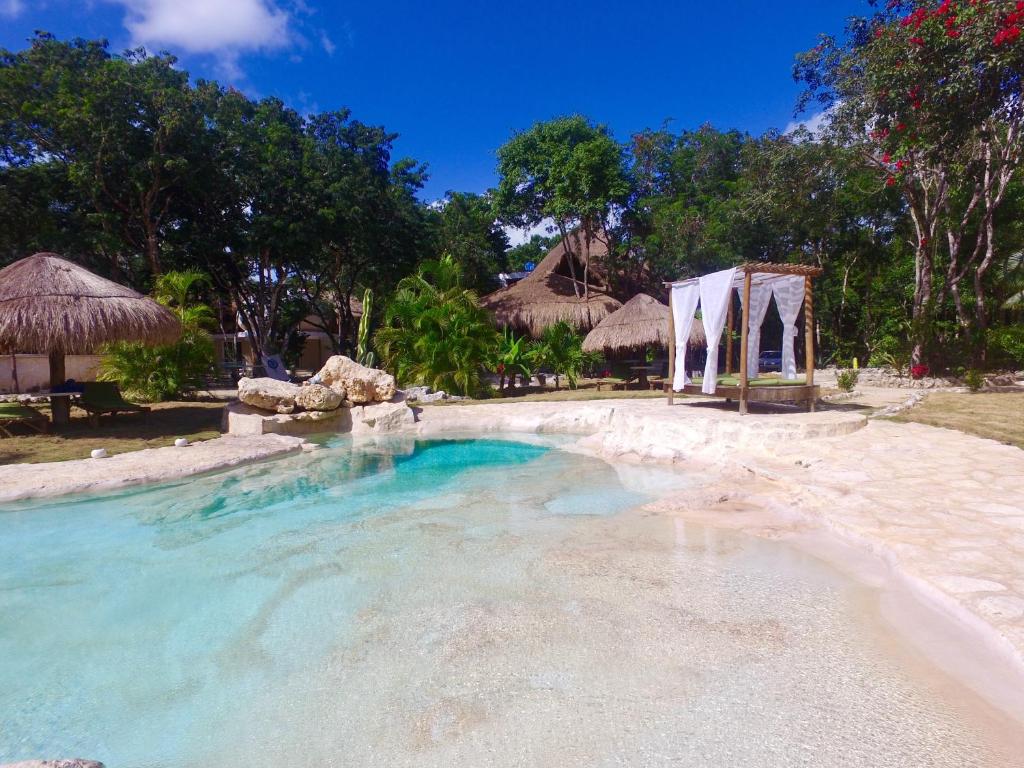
[460,602]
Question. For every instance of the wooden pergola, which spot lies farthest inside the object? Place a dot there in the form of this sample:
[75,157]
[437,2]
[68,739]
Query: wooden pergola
[806,393]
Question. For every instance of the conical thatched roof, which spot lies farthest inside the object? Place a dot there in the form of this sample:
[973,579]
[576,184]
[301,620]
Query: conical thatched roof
[642,322]
[49,304]
[549,294]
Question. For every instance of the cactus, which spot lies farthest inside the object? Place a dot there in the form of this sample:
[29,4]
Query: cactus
[364,355]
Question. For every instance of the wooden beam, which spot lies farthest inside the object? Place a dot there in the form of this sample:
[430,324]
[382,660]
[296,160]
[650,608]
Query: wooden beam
[729,319]
[809,332]
[671,349]
[744,332]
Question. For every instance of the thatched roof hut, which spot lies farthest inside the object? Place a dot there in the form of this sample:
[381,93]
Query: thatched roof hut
[550,293]
[49,304]
[641,322]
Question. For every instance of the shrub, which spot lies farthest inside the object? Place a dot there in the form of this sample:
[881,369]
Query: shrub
[560,349]
[164,372]
[973,379]
[847,380]
[435,333]
[919,371]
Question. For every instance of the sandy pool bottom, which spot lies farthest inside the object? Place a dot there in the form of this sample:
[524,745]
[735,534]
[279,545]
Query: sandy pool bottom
[450,603]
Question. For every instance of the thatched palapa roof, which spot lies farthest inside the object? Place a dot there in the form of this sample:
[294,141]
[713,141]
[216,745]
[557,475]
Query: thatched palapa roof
[549,294]
[641,322]
[51,305]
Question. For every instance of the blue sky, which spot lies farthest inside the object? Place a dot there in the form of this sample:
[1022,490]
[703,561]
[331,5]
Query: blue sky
[456,79]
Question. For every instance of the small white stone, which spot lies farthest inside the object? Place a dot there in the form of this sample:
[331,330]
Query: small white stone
[181,442]
[99,453]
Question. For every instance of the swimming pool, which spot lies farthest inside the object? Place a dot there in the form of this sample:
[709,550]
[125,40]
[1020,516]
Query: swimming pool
[470,602]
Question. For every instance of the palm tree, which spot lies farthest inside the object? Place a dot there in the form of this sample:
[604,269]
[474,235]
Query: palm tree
[561,350]
[434,332]
[162,372]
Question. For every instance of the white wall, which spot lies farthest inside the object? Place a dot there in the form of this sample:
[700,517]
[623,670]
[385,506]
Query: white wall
[34,371]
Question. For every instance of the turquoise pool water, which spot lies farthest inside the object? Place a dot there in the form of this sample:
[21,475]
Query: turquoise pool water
[448,603]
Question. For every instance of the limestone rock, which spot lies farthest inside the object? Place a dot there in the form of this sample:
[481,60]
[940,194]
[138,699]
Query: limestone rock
[382,417]
[317,397]
[412,394]
[357,382]
[268,394]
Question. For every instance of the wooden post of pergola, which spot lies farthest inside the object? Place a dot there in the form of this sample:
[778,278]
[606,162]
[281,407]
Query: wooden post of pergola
[744,332]
[809,333]
[728,337]
[671,350]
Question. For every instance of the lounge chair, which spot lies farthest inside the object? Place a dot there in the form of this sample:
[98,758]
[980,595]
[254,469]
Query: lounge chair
[16,414]
[104,397]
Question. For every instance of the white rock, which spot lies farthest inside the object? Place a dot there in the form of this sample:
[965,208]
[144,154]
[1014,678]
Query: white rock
[317,397]
[357,382]
[99,453]
[181,442]
[268,394]
[382,417]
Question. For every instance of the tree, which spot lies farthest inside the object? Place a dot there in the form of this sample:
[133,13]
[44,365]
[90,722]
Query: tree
[466,229]
[570,171]
[126,132]
[931,95]
[560,348]
[434,331]
[370,230]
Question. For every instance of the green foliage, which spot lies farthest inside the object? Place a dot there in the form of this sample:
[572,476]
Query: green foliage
[467,231]
[1008,343]
[847,380]
[364,355]
[435,333]
[974,379]
[166,371]
[512,356]
[560,350]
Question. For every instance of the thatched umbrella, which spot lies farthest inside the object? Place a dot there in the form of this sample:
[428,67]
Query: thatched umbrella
[50,305]
[642,322]
[531,305]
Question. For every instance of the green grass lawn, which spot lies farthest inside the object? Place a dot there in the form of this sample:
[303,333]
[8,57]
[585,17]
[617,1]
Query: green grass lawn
[995,415]
[118,434]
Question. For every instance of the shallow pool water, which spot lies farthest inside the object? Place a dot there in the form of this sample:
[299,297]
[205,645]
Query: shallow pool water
[448,603]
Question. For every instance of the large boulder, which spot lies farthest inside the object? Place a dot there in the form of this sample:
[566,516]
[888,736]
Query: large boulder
[359,383]
[268,394]
[317,397]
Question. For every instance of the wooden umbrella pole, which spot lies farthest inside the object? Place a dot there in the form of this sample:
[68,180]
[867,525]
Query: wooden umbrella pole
[744,331]
[671,350]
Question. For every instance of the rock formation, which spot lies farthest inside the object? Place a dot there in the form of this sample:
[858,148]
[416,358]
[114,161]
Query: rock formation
[268,394]
[360,384]
[317,397]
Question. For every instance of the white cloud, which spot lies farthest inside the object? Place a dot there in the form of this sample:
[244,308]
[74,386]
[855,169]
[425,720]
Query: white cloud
[327,43]
[222,28]
[11,8]
[520,236]
[814,124]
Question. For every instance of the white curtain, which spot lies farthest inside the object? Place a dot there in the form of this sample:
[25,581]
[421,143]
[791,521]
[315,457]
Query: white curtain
[760,298]
[715,294]
[684,305]
[789,297]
